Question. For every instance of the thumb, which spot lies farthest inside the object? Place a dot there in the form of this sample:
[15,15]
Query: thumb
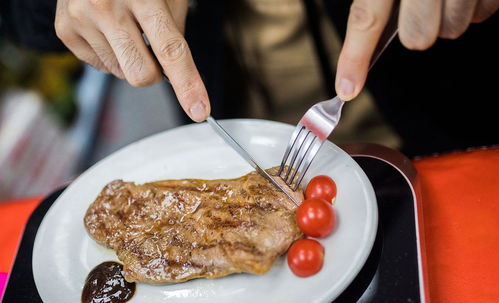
[365,24]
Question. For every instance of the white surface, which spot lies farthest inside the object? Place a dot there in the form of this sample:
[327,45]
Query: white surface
[64,254]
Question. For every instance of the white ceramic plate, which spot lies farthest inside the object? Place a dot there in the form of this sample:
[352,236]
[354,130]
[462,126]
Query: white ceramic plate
[64,253]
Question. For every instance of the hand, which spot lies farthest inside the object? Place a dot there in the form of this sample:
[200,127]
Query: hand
[108,35]
[420,23]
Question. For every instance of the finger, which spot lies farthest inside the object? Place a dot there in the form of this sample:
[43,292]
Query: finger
[484,9]
[366,22]
[101,47]
[419,23]
[80,48]
[135,60]
[179,8]
[174,55]
[456,17]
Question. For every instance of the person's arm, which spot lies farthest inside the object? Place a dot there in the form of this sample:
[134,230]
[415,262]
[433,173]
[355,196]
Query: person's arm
[420,23]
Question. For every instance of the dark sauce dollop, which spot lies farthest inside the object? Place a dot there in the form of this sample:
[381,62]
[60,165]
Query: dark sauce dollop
[105,283]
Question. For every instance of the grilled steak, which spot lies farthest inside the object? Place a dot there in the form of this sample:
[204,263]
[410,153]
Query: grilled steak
[177,230]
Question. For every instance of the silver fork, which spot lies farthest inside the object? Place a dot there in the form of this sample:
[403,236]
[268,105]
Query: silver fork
[319,122]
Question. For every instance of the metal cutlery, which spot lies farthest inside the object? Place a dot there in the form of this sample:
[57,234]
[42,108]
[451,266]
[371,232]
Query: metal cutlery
[319,122]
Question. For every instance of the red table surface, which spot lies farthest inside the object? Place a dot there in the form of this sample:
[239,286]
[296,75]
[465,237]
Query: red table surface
[461,218]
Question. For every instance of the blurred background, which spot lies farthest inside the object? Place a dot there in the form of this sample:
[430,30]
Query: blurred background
[259,59]
[59,116]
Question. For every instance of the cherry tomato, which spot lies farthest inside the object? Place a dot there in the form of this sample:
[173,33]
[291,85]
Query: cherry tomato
[305,257]
[321,187]
[315,217]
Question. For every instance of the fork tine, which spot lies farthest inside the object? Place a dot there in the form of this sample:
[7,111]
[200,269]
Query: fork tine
[294,167]
[302,136]
[300,141]
[301,158]
[315,149]
[323,117]
[291,144]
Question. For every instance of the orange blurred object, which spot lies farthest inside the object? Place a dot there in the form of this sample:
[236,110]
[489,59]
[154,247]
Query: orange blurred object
[13,218]
[460,194]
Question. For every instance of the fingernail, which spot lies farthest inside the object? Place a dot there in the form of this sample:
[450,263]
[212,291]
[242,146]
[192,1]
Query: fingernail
[198,112]
[346,88]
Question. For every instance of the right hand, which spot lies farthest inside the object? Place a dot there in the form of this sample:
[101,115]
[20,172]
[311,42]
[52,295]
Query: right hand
[108,35]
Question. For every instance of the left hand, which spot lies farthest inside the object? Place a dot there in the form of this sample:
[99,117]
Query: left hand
[420,23]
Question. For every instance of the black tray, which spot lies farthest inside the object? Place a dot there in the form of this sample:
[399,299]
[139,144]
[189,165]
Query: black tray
[393,272]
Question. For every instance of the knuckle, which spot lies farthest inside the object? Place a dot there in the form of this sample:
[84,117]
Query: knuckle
[452,27]
[173,49]
[100,4]
[144,77]
[100,66]
[75,10]
[351,60]
[119,74]
[113,66]
[95,62]
[130,59]
[138,81]
[185,88]
[159,20]
[451,32]
[415,36]
[362,18]
[416,42]
[62,31]
[115,69]
[103,52]
[108,59]
[91,59]
[122,38]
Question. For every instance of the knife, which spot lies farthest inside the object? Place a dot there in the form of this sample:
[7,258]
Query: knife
[227,138]
[245,155]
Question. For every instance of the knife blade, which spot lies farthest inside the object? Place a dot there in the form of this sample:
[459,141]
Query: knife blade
[245,155]
[228,139]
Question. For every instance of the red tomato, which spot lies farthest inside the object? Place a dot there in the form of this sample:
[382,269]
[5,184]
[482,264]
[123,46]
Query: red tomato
[321,187]
[315,217]
[305,257]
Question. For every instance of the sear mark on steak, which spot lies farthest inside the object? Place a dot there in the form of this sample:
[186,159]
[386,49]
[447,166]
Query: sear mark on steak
[177,230]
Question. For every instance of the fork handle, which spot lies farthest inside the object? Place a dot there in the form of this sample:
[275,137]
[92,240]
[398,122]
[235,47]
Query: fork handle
[390,31]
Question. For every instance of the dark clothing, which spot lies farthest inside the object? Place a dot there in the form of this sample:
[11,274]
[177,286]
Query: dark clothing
[30,23]
[438,100]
